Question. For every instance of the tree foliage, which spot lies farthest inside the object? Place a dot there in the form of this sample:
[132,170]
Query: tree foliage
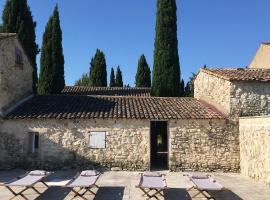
[189,89]
[51,79]
[112,78]
[83,81]
[98,72]
[182,88]
[166,70]
[17,18]
[119,78]
[143,75]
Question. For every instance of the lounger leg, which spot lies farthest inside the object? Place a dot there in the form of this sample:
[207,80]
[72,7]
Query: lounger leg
[207,195]
[190,188]
[35,190]
[158,192]
[45,184]
[77,194]
[89,190]
[17,194]
[199,192]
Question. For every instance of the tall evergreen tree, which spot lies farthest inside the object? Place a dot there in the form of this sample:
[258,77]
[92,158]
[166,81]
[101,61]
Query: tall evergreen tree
[17,18]
[118,78]
[189,89]
[51,79]
[112,78]
[98,72]
[166,71]
[182,88]
[143,76]
[83,81]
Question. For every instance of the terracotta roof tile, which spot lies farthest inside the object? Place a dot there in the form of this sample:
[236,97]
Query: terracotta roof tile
[85,107]
[240,74]
[108,91]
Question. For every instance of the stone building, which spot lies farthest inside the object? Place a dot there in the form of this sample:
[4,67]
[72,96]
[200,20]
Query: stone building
[261,60]
[235,92]
[126,128]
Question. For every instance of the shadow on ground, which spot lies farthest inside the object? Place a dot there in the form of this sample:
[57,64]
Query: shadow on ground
[6,176]
[109,193]
[57,193]
[176,194]
[225,195]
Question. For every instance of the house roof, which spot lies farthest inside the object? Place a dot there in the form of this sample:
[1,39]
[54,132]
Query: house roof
[108,91]
[6,35]
[89,107]
[240,74]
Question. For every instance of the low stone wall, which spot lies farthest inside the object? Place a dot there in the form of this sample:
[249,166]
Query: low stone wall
[65,143]
[255,148]
[203,145]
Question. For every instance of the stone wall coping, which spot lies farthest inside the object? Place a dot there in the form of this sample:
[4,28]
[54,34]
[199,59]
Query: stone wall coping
[255,117]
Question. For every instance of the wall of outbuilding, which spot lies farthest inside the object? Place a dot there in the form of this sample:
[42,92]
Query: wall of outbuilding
[250,98]
[194,145]
[213,90]
[255,148]
[234,98]
[15,81]
[204,145]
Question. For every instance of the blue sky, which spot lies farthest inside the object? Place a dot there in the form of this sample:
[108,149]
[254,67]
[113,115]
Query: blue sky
[218,33]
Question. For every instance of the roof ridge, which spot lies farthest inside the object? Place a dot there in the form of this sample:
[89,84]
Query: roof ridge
[128,97]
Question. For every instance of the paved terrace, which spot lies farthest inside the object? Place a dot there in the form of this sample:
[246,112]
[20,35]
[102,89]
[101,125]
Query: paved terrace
[120,186]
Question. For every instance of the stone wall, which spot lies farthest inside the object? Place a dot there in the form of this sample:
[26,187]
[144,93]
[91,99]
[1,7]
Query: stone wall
[65,143]
[255,148]
[194,145]
[213,90]
[15,81]
[234,98]
[250,98]
[203,145]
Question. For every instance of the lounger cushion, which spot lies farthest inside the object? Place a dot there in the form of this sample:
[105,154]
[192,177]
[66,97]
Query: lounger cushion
[38,173]
[199,176]
[89,173]
[26,181]
[207,184]
[152,174]
[155,182]
[83,181]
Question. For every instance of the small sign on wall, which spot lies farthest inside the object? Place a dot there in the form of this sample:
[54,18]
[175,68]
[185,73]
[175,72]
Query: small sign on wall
[97,139]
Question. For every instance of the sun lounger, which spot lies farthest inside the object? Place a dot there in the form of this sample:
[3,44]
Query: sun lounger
[28,181]
[84,180]
[152,182]
[203,183]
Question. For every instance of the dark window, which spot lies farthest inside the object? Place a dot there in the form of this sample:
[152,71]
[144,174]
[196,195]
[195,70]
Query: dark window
[18,58]
[33,143]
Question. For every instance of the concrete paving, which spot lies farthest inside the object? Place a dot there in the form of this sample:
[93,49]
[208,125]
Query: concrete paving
[121,186]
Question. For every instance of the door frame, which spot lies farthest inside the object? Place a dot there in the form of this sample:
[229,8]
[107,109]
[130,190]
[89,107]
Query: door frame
[168,143]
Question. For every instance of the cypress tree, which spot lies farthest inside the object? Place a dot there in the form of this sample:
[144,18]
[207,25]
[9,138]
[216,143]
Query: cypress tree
[190,86]
[166,70]
[118,79]
[83,81]
[51,79]
[112,78]
[187,90]
[182,88]
[17,18]
[98,72]
[143,76]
